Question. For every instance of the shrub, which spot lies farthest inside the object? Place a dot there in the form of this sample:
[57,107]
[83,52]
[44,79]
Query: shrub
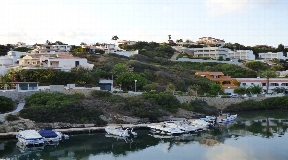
[11,117]
[202,107]
[6,104]
[100,94]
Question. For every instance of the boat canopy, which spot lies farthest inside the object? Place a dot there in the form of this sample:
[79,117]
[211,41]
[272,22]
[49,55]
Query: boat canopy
[47,133]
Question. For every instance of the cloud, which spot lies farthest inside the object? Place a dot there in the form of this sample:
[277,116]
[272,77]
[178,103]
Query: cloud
[226,152]
[218,8]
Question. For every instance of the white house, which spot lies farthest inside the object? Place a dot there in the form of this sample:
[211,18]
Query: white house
[273,83]
[6,60]
[211,52]
[242,54]
[64,62]
[271,55]
[15,55]
[282,73]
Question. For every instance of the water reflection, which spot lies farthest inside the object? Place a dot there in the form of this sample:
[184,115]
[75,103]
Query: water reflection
[215,140]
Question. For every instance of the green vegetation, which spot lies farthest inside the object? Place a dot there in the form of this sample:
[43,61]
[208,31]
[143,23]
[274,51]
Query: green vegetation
[202,107]
[6,104]
[228,69]
[11,117]
[57,107]
[4,49]
[22,49]
[269,103]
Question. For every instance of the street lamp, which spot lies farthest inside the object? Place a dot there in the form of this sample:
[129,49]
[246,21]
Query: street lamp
[135,84]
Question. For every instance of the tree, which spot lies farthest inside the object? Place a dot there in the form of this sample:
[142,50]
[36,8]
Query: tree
[279,90]
[22,49]
[255,89]
[220,58]
[269,73]
[120,68]
[256,65]
[115,38]
[240,90]
[127,80]
[215,88]
[194,87]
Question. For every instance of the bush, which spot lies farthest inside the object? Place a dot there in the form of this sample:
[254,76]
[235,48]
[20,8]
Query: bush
[11,117]
[100,94]
[202,107]
[6,104]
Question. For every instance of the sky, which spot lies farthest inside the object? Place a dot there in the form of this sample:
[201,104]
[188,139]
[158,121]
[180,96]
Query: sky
[248,22]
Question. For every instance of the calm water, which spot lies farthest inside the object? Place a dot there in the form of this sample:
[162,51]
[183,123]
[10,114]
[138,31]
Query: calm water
[257,136]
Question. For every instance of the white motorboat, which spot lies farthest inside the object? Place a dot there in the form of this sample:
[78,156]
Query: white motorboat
[182,126]
[119,131]
[50,136]
[30,138]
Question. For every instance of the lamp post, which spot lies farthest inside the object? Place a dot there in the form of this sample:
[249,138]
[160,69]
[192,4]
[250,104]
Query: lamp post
[135,84]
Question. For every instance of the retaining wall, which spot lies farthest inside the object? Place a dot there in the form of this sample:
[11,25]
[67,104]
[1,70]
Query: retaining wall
[220,103]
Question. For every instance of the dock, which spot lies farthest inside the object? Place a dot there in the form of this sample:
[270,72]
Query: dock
[71,131]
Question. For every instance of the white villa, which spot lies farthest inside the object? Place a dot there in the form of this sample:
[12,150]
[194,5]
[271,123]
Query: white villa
[64,62]
[271,55]
[209,52]
[273,83]
[52,49]
[242,54]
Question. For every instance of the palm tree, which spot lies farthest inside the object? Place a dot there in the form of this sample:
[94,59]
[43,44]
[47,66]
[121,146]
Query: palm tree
[269,73]
[115,38]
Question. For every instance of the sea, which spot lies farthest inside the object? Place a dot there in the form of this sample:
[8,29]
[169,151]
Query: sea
[257,135]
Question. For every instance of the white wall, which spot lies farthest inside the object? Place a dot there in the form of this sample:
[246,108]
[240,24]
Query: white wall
[6,60]
[127,53]
[3,70]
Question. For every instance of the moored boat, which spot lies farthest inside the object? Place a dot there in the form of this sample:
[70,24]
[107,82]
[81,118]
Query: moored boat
[30,138]
[50,136]
[120,131]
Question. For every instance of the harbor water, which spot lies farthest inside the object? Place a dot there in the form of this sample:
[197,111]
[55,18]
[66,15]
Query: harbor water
[255,135]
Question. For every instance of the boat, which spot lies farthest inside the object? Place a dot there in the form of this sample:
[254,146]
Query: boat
[120,131]
[50,136]
[30,138]
[226,118]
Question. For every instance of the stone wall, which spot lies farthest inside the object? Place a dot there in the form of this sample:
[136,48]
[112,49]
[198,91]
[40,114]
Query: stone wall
[220,103]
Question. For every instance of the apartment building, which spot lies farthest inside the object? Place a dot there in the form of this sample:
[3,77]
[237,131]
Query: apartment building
[272,55]
[242,54]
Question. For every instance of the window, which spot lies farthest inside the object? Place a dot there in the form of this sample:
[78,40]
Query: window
[263,84]
[244,84]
